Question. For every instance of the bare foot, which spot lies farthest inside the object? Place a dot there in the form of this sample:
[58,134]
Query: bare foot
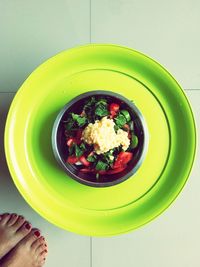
[29,252]
[13,228]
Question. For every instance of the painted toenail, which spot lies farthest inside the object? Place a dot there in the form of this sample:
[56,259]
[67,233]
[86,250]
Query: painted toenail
[45,245]
[28,226]
[37,233]
[45,251]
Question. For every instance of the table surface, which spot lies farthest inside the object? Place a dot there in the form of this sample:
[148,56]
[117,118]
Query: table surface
[168,31]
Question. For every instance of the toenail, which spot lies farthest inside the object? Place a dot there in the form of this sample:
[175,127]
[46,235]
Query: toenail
[45,245]
[45,250]
[37,233]
[27,226]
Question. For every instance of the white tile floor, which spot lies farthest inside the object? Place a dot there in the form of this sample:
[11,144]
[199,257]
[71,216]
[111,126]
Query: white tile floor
[168,31]
[30,32]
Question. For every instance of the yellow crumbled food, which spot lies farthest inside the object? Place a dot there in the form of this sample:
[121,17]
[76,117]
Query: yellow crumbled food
[103,136]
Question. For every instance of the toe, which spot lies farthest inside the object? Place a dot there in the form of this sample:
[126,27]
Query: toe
[42,257]
[37,243]
[43,254]
[31,237]
[4,218]
[19,222]
[24,229]
[41,249]
[13,219]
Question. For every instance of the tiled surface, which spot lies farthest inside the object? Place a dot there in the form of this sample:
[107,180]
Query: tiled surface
[168,31]
[63,246]
[172,240]
[32,31]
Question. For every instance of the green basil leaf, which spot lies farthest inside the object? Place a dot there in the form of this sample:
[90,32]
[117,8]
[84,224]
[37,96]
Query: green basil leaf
[78,151]
[134,141]
[89,104]
[120,120]
[126,114]
[83,147]
[91,158]
[101,107]
[81,121]
[101,111]
[101,165]
[101,101]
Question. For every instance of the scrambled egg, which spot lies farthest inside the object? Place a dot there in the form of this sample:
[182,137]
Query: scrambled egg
[103,136]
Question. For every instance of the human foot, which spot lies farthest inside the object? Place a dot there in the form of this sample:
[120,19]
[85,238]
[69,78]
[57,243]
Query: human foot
[13,228]
[29,252]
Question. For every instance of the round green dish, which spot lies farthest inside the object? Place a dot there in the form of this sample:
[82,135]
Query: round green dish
[77,207]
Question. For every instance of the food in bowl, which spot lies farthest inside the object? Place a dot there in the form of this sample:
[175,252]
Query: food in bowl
[100,138]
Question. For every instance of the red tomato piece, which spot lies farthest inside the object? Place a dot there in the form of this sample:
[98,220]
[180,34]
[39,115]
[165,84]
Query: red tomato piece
[122,159]
[125,156]
[114,107]
[70,141]
[72,159]
[117,170]
[84,161]
[112,114]
[117,164]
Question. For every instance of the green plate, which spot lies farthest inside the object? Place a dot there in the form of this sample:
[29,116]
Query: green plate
[77,207]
